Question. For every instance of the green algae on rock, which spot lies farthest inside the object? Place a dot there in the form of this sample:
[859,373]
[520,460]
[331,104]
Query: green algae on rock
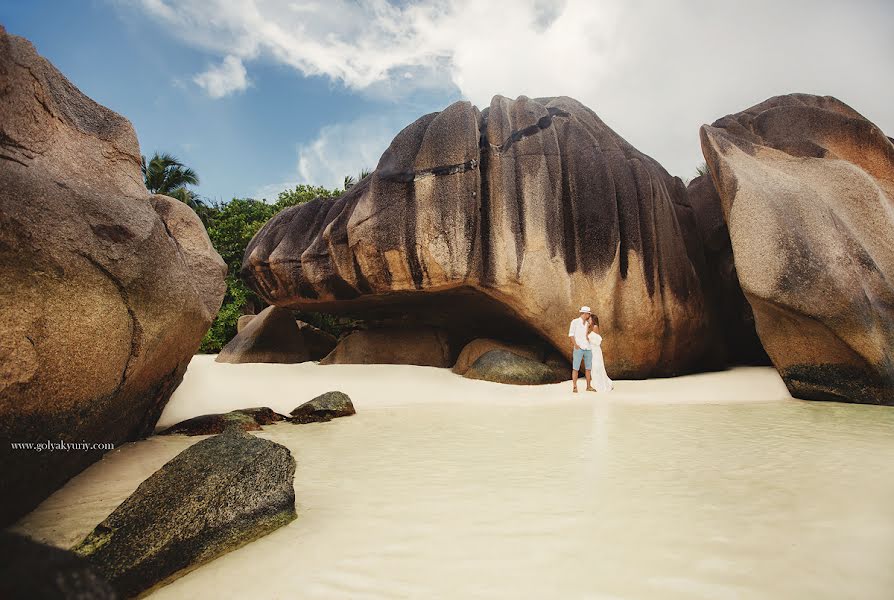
[213,497]
[244,419]
[324,407]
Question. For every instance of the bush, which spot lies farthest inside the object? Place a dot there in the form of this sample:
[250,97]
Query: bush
[231,226]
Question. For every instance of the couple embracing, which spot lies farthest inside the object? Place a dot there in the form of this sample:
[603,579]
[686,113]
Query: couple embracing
[586,346]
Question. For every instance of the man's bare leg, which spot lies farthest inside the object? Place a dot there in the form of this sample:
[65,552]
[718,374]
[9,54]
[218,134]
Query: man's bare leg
[574,380]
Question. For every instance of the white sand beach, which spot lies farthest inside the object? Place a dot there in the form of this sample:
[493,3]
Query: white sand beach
[713,486]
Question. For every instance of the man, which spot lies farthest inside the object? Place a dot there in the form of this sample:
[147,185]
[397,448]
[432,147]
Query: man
[580,347]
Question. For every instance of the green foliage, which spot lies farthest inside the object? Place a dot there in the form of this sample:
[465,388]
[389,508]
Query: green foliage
[303,194]
[231,226]
[223,328]
[702,170]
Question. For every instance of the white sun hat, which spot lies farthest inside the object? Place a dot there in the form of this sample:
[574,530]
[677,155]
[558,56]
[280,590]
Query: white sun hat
[584,309]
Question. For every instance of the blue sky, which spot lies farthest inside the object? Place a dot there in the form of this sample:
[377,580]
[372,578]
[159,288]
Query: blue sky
[258,95]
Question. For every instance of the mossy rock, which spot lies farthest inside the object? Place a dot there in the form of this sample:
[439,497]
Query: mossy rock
[503,366]
[323,408]
[213,497]
[245,419]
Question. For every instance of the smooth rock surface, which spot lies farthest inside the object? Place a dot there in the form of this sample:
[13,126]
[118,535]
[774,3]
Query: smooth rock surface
[34,571]
[474,349]
[213,497]
[243,321]
[504,366]
[424,346]
[106,290]
[246,419]
[807,189]
[272,336]
[501,223]
[324,407]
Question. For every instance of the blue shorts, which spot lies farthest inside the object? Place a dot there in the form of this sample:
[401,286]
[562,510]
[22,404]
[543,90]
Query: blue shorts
[587,355]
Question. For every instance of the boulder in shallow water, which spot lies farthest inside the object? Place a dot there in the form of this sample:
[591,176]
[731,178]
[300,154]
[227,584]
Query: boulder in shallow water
[213,497]
[807,189]
[503,366]
[245,419]
[425,346]
[272,336]
[324,407]
[499,222]
[106,290]
[34,571]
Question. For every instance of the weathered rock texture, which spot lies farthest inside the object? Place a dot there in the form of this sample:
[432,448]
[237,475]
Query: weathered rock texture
[501,223]
[274,336]
[244,419]
[34,571]
[503,366]
[807,189]
[324,407]
[106,290]
[474,349]
[213,497]
[425,346]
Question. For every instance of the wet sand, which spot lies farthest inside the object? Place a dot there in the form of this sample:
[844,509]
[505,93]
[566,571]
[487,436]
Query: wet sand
[708,486]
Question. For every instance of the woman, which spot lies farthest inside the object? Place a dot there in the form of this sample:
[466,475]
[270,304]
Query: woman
[600,378]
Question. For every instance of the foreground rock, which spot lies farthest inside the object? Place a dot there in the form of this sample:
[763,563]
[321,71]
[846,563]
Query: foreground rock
[273,336]
[503,366]
[323,408]
[34,571]
[500,223]
[807,188]
[245,419]
[106,290]
[213,497]
[425,346]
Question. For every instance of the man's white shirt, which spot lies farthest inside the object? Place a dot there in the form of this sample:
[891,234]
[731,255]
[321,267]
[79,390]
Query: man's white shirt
[578,331]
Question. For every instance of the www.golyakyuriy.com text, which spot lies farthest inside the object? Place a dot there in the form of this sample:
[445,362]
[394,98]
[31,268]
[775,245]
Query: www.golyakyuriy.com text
[61,445]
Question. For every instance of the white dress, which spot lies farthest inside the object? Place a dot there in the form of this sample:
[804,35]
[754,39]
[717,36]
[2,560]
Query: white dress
[600,378]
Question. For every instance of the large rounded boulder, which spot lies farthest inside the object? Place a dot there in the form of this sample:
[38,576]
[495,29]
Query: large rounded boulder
[500,223]
[423,346]
[807,189]
[106,290]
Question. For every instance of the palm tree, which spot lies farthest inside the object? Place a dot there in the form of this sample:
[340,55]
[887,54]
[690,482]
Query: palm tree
[350,181]
[702,170]
[164,174]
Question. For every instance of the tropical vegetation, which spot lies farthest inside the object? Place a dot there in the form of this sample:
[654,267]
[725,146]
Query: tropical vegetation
[231,225]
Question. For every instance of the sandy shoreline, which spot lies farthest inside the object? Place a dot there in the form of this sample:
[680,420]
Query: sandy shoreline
[210,387]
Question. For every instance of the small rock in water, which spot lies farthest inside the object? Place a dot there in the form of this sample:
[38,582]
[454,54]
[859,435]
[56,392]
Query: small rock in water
[502,366]
[323,408]
[34,571]
[213,497]
[245,419]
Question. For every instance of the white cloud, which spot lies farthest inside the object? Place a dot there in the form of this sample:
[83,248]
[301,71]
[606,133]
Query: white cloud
[338,150]
[223,79]
[654,70]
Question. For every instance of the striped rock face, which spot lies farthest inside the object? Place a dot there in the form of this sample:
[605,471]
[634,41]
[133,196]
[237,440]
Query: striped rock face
[501,223]
[807,189]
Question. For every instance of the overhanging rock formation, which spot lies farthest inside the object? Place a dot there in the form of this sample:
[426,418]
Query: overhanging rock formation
[501,223]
